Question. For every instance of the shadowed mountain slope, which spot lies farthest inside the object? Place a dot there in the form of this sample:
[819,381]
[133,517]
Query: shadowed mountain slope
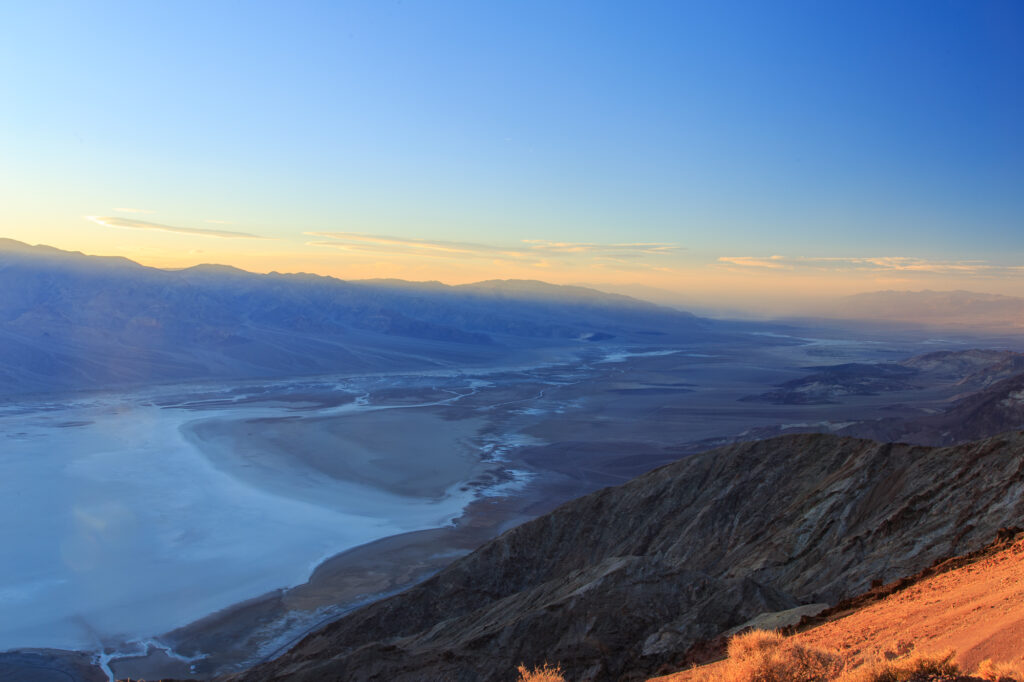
[620,583]
[1000,407]
[967,370]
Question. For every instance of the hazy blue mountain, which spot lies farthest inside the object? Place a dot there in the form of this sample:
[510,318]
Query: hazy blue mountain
[938,308]
[73,321]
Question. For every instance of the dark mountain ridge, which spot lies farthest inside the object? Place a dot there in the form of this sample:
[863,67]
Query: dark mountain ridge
[968,370]
[998,407]
[71,321]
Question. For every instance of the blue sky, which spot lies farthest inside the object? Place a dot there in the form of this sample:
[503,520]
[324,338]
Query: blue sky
[798,139]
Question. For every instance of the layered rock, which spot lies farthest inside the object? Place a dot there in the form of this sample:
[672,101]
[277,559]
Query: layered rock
[618,584]
[995,409]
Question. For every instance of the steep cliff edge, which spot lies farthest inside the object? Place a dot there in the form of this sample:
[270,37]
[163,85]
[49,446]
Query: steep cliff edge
[621,582]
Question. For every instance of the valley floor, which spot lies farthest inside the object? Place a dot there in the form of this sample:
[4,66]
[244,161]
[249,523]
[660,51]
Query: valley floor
[462,455]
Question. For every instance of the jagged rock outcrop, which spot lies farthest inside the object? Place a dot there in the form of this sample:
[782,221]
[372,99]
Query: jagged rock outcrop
[966,370]
[618,584]
[828,384]
[997,408]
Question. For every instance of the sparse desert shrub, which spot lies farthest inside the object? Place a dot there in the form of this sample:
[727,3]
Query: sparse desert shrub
[765,656]
[916,668]
[1000,672]
[753,643]
[545,673]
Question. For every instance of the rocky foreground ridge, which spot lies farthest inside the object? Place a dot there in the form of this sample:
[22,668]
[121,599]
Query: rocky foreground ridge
[621,583]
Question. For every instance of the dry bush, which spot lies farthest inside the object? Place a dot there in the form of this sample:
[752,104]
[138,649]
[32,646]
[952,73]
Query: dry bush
[545,673]
[764,656]
[767,656]
[916,668]
[753,643]
[1000,672]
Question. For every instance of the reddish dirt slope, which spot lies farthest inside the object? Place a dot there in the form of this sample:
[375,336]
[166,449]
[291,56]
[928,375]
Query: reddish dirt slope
[977,610]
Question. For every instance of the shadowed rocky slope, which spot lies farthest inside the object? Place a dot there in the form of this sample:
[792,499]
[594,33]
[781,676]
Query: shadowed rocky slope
[1000,407]
[618,584]
[968,370]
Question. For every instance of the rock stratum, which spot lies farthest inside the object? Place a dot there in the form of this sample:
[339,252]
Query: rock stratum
[619,584]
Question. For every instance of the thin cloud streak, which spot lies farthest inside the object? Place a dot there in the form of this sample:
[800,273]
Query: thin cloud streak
[113,221]
[383,243]
[403,249]
[879,264]
[772,262]
[650,248]
[535,251]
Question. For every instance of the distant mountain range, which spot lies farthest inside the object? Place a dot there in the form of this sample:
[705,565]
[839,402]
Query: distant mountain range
[71,321]
[937,308]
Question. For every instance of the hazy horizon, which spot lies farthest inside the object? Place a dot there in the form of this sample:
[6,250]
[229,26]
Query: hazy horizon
[807,304]
[737,154]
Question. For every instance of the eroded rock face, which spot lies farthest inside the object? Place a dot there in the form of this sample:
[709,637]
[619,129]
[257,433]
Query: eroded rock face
[998,407]
[621,582]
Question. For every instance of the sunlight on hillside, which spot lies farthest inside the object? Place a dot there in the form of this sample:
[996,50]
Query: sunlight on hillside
[768,656]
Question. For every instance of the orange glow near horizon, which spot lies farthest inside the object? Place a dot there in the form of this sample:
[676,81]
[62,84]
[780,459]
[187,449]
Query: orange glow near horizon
[760,285]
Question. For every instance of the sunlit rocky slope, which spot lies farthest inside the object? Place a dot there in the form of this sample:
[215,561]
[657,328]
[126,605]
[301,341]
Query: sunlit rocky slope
[971,605]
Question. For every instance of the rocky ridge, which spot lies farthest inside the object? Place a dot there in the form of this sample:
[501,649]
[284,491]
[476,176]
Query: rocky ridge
[997,408]
[70,321]
[620,583]
[965,371]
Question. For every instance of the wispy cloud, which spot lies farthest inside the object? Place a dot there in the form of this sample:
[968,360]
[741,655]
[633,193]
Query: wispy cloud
[351,241]
[217,222]
[772,262]
[878,264]
[128,223]
[134,210]
[540,253]
[636,248]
